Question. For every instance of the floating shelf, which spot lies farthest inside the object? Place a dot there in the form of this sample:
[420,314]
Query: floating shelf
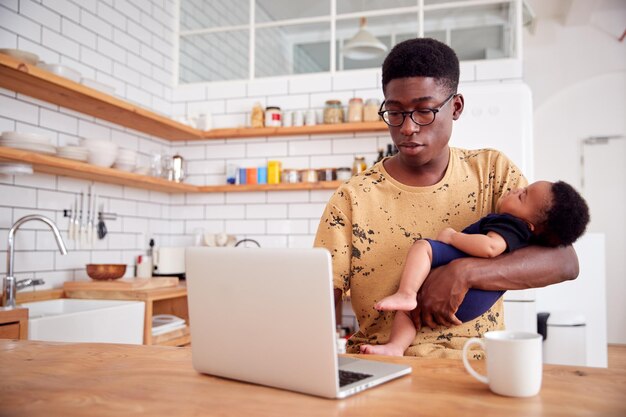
[249,132]
[321,185]
[76,169]
[38,83]
[35,82]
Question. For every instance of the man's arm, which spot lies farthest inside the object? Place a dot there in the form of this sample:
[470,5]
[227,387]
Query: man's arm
[534,266]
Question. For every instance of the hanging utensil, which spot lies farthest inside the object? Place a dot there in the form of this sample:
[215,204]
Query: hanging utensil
[89,222]
[94,219]
[83,219]
[72,226]
[102,228]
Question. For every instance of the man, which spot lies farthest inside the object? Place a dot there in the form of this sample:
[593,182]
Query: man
[372,220]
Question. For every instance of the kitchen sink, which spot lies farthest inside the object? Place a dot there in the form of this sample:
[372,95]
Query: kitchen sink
[74,320]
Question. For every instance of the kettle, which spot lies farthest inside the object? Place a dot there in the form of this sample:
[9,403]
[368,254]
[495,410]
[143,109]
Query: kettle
[178,165]
[174,168]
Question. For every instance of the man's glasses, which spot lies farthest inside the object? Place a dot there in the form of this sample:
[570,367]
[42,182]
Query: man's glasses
[422,117]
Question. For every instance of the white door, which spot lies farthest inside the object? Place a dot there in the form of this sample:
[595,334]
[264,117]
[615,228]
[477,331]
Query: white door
[604,188]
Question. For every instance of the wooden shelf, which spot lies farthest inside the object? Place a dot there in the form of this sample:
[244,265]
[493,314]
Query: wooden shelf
[249,132]
[38,83]
[35,82]
[66,167]
[322,185]
[76,169]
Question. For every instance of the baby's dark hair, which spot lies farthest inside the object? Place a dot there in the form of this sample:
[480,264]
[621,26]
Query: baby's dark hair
[566,219]
[423,57]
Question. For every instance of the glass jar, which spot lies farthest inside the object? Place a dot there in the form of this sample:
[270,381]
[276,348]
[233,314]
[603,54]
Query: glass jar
[291,176]
[333,112]
[273,117]
[256,117]
[370,110]
[344,173]
[308,175]
[358,165]
[355,110]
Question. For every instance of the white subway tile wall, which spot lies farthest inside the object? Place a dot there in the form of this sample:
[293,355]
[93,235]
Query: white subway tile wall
[132,49]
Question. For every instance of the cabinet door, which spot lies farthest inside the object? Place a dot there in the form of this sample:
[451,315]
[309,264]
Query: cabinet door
[10,331]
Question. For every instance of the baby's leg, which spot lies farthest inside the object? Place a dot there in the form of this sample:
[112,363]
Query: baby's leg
[416,269]
[402,335]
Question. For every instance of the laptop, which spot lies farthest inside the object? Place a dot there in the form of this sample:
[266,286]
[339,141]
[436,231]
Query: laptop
[267,316]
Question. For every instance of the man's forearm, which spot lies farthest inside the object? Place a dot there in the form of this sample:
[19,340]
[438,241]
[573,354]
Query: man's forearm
[530,267]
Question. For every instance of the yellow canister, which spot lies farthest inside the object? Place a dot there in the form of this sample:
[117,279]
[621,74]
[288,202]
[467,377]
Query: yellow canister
[274,169]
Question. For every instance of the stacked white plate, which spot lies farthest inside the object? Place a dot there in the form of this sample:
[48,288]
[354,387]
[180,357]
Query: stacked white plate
[126,159]
[101,152]
[61,70]
[78,153]
[33,142]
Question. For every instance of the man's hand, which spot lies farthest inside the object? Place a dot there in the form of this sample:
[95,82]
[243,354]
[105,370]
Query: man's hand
[446,234]
[440,297]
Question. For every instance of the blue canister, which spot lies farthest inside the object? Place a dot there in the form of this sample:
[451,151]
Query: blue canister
[241,177]
[261,175]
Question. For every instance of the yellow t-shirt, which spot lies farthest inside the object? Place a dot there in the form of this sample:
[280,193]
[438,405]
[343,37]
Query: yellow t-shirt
[371,221]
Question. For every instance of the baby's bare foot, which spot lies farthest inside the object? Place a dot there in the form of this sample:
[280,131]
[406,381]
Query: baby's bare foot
[388,350]
[397,301]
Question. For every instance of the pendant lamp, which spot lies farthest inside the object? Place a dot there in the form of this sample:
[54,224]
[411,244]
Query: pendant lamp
[363,45]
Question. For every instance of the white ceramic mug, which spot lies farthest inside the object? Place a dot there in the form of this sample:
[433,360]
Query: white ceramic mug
[514,362]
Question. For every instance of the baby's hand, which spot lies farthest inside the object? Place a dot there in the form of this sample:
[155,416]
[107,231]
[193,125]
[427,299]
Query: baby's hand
[446,234]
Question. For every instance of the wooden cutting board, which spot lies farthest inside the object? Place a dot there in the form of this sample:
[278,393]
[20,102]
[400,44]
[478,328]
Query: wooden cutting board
[124,284]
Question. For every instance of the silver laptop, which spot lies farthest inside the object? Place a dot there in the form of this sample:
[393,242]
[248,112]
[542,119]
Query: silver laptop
[266,316]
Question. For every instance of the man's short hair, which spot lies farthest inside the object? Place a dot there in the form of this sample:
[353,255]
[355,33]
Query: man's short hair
[422,57]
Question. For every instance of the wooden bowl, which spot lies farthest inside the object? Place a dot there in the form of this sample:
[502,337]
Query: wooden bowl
[105,272]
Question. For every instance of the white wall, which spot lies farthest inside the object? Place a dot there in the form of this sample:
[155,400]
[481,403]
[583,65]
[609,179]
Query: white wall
[116,43]
[578,78]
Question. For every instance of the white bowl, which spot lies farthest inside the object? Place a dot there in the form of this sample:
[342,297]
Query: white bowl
[26,137]
[99,145]
[27,57]
[142,170]
[125,167]
[127,152]
[100,159]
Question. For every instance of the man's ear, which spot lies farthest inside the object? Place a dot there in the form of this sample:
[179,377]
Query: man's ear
[458,104]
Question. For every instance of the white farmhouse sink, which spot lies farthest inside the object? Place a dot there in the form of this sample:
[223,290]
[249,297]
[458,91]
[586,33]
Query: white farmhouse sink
[72,320]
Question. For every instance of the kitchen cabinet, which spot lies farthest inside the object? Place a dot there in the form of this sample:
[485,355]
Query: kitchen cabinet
[167,300]
[13,323]
[36,82]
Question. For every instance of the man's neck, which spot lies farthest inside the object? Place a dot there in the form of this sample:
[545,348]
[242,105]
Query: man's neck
[416,175]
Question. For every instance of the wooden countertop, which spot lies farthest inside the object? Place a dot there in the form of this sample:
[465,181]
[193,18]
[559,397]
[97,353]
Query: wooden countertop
[58,379]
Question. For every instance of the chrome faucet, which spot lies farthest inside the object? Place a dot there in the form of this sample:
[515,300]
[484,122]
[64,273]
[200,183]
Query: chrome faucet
[10,285]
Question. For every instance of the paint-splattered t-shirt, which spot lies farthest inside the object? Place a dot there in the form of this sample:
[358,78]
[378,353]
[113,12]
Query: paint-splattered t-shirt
[371,221]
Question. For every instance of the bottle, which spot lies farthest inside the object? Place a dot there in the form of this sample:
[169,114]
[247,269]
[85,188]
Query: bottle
[389,150]
[381,155]
[358,165]
[273,172]
[257,116]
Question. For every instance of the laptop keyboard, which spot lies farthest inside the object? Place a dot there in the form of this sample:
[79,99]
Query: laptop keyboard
[347,377]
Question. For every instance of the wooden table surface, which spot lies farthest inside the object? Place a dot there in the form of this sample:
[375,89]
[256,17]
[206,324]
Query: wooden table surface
[59,379]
